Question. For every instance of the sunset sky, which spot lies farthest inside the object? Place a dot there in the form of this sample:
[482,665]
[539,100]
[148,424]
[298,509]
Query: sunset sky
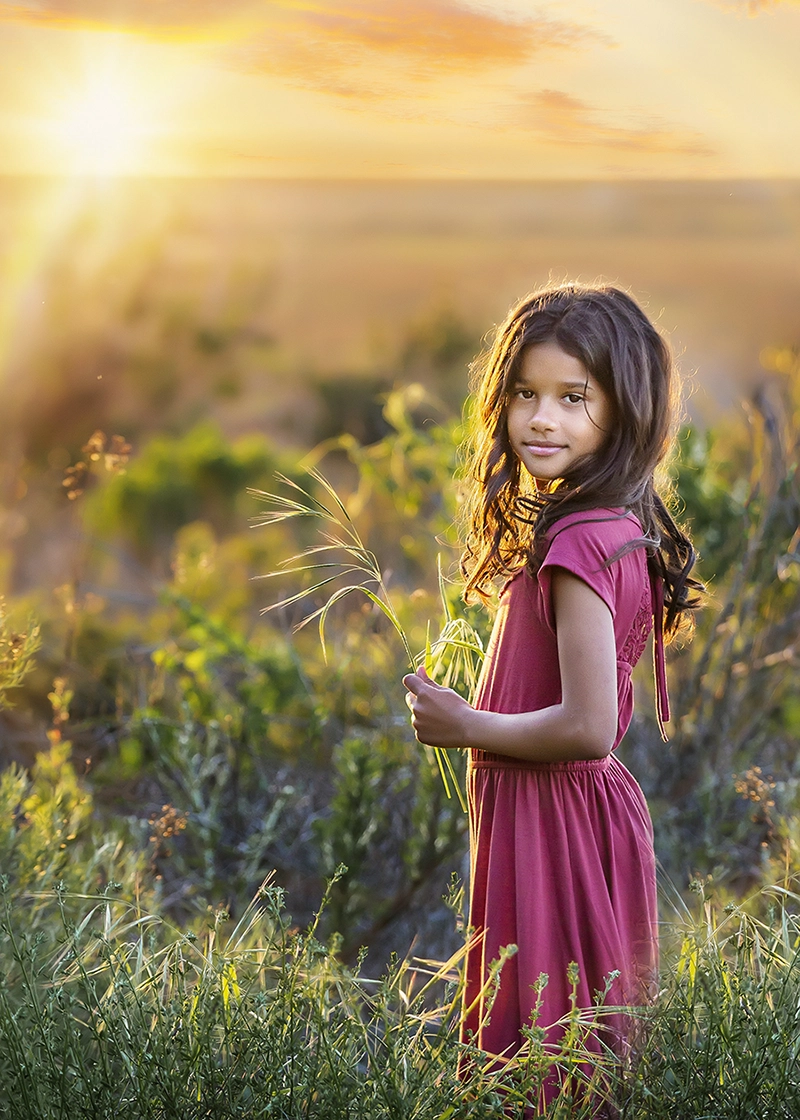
[503,89]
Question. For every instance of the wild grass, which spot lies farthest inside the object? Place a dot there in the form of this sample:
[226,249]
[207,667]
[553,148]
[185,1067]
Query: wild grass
[723,1038]
[130,1017]
[126,1015]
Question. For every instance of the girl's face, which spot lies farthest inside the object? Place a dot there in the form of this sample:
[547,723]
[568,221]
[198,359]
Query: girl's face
[557,412]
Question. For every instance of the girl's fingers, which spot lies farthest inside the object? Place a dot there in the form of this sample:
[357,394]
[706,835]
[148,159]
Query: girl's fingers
[415,682]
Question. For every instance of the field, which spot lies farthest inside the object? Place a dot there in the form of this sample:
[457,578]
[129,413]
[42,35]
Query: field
[183,778]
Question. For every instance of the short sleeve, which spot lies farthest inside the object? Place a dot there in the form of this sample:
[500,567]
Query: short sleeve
[582,544]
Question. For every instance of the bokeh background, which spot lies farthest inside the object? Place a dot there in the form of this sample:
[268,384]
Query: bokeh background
[235,237]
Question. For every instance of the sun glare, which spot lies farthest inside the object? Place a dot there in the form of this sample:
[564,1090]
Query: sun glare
[103,130]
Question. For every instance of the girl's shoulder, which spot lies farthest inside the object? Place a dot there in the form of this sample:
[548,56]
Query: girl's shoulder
[601,547]
[601,526]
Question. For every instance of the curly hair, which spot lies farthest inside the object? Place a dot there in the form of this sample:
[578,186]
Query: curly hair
[508,518]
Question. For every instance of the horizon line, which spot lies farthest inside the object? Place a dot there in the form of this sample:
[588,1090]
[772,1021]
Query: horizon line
[405,180]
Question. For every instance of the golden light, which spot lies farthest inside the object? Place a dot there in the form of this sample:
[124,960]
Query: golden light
[102,130]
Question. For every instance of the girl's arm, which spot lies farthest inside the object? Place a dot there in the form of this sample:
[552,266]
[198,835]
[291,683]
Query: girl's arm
[582,726]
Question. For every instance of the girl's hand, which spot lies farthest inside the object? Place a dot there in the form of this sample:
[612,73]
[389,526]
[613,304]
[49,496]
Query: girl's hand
[439,716]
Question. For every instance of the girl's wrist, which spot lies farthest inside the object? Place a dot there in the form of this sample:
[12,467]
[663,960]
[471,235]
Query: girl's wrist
[473,727]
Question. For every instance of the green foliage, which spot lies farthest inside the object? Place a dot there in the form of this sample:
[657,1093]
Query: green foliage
[17,651]
[209,672]
[121,1013]
[442,340]
[734,687]
[48,836]
[722,1039]
[389,828]
[351,405]
[342,555]
[347,833]
[711,498]
[405,481]
[174,481]
[221,713]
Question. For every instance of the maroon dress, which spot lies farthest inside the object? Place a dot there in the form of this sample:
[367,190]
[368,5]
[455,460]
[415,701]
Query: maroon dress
[562,852]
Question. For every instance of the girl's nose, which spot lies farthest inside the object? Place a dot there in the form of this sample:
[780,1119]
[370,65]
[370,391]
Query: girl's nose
[542,419]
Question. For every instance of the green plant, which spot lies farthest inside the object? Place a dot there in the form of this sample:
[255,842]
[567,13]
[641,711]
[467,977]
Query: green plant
[223,712]
[108,1009]
[132,1017]
[343,554]
[48,834]
[734,686]
[722,1038]
[175,481]
[17,651]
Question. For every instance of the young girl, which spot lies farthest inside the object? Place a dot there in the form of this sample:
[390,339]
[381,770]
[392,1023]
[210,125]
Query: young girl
[574,412]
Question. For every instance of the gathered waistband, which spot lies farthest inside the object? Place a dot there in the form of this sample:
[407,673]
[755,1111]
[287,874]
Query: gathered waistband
[486,761]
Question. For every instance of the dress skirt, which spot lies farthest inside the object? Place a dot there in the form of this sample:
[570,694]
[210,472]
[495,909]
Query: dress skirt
[563,868]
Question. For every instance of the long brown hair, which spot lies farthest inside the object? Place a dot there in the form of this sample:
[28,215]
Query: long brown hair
[507,518]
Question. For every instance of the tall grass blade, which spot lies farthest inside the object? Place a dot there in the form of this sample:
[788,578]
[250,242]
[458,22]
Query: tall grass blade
[457,638]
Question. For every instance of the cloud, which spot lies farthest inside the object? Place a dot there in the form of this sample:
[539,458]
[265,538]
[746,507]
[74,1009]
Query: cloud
[428,33]
[563,119]
[153,16]
[369,50]
[362,49]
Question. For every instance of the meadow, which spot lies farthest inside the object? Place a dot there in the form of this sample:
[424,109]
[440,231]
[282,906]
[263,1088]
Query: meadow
[232,884]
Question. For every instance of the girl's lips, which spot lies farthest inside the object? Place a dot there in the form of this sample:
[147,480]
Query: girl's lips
[543,448]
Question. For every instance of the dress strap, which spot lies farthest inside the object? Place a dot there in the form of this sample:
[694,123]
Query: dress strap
[659,662]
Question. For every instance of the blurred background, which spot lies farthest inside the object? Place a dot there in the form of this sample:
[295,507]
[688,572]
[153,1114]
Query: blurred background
[236,240]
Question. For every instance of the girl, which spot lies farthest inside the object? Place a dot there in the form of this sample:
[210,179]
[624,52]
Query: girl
[574,412]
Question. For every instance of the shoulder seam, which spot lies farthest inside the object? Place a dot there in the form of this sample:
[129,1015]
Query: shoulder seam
[559,527]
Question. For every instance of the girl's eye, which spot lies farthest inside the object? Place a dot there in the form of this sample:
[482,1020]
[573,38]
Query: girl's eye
[574,398]
[526,394]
